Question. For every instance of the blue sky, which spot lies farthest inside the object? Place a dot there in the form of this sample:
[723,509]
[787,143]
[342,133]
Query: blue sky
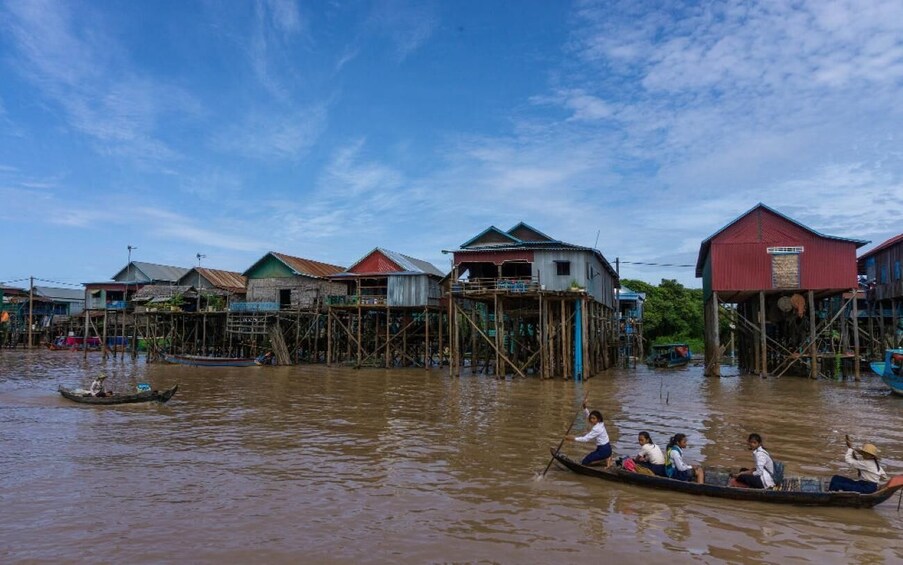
[323,129]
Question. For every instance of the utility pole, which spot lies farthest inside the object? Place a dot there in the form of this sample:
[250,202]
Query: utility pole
[30,310]
[197,307]
[618,313]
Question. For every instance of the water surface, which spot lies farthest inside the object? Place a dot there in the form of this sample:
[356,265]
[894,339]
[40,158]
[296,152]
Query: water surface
[318,465]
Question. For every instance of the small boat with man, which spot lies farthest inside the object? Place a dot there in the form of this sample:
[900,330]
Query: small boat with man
[669,355]
[97,394]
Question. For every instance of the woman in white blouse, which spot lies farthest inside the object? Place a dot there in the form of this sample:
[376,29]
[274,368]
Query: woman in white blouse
[865,461]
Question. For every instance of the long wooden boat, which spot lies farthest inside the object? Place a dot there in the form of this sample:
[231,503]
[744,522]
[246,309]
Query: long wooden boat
[205,361]
[148,396]
[892,375]
[669,355]
[802,491]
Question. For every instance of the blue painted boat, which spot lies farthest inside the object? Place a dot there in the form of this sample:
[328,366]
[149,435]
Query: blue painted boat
[877,367]
[205,361]
[893,370]
[669,355]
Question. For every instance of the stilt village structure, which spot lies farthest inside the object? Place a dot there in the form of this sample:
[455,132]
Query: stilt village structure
[516,302]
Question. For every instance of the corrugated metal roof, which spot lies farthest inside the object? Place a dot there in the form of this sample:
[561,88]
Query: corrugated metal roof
[706,243]
[154,272]
[157,292]
[308,266]
[409,263]
[226,280]
[54,293]
[889,243]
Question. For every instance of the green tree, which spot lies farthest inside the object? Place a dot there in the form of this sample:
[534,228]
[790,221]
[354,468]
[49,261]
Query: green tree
[671,312]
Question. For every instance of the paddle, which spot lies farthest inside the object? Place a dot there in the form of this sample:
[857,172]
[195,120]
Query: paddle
[561,443]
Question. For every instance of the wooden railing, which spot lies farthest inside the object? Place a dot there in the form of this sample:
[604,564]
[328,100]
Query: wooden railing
[354,300]
[504,284]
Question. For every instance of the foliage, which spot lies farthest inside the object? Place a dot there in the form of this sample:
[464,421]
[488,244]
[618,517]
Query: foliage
[215,301]
[671,313]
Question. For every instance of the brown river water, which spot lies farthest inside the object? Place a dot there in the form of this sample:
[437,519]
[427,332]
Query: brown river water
[316,465]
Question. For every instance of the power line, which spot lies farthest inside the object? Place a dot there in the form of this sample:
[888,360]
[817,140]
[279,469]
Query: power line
[657,264]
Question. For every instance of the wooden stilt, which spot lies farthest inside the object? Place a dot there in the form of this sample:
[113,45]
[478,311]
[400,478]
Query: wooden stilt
[763,344]
[813,350]
[856,334]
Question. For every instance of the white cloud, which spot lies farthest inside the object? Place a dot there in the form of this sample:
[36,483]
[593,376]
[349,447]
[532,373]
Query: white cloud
[273,136]
[406,23]
[75,65]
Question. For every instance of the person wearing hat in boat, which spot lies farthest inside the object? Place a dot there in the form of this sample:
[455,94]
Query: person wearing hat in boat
[865,461]
[97,386]
[598,434]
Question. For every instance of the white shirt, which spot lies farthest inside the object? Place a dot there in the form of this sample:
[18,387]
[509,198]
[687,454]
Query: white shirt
[96,386]
[764,466]
[869,470]
[598,433]
[652,453]
[677,460]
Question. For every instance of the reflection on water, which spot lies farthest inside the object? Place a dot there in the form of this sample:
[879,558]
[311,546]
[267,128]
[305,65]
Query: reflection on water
[309,464]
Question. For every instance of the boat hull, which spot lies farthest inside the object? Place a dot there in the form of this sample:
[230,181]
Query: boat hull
[793,497]
[203,361]
[892,375]
[149,396]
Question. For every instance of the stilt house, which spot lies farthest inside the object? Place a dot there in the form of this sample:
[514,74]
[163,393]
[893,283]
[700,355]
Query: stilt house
[532,304]
[388,314]
[775,271]
[883,268]
[278,281]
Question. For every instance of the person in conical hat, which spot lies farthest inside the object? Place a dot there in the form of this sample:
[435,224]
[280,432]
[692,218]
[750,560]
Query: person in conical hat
[865,461]
[97,386]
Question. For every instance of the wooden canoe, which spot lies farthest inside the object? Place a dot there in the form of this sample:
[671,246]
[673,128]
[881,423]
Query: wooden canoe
[789,493]
[204,361]
[149,396]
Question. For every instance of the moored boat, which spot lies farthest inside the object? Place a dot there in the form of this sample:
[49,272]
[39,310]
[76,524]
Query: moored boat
[892,372]
[205,361]
[669,355]
[802,491]
[146,396]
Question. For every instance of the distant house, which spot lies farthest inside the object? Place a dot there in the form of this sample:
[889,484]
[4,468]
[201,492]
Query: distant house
[388,278]
[280,281]
[630,303]
[230,285]
[114,295]
[883,269]
[525,259]
[62,301]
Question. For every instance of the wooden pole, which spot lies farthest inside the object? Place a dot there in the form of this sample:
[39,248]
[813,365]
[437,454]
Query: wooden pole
[716,337]
[541,334]
[388,331]
[30,311]
[763,345]
[426,338]
[813,350]
[855,334]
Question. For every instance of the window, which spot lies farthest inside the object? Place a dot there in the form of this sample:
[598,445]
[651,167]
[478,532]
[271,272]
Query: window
[780,250]
[285,297]
[883,279]
[898,272]
[564,268]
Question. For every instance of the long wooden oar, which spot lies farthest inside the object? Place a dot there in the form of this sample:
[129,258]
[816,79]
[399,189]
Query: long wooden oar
[561,443]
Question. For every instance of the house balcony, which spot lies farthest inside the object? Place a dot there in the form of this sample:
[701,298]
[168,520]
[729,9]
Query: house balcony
[356,300]
[515,285]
